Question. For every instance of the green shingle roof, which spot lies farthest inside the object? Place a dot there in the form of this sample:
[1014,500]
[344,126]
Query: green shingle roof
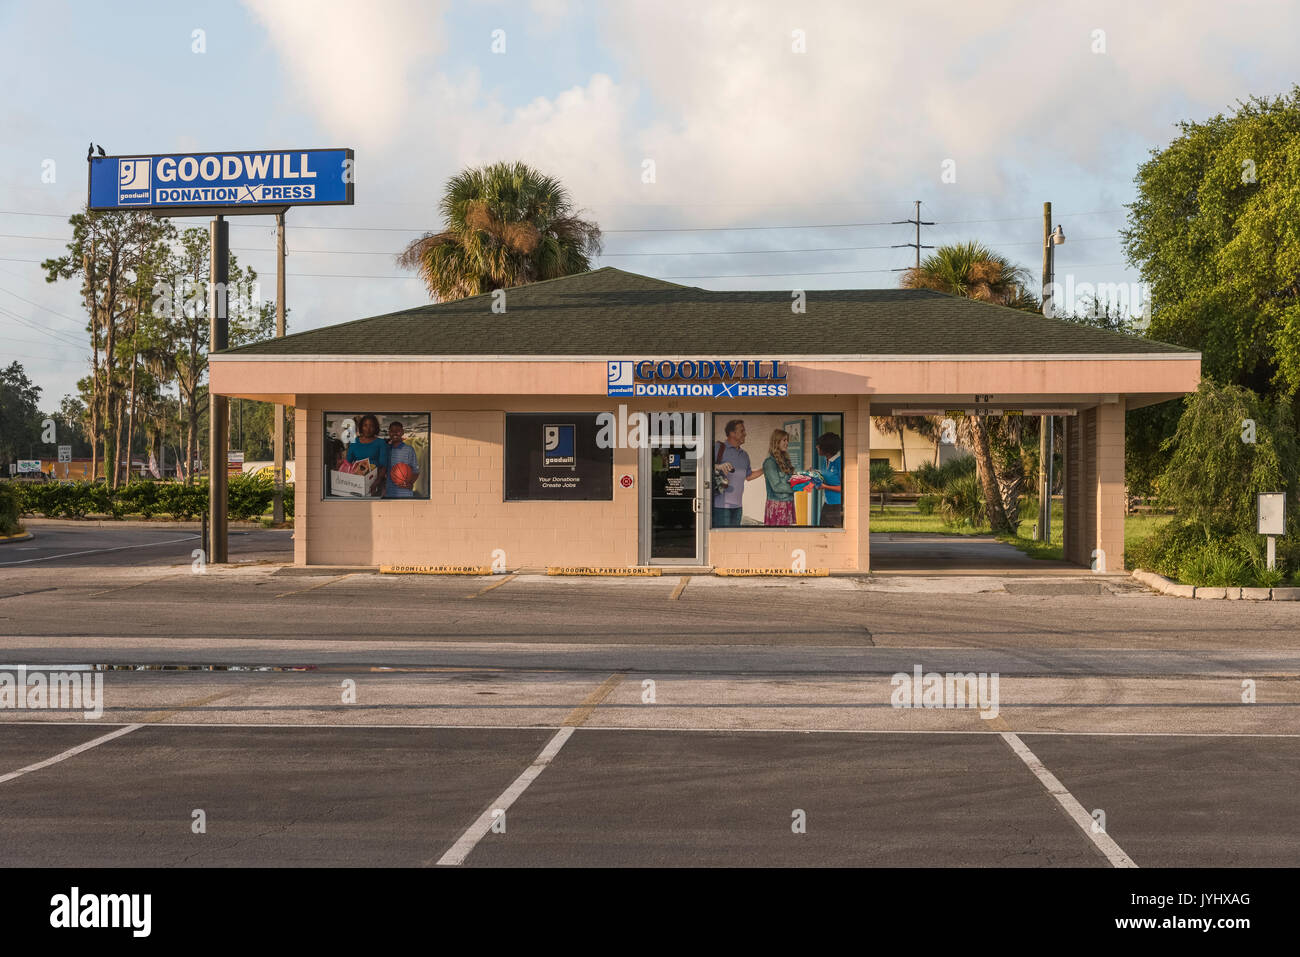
[609,312]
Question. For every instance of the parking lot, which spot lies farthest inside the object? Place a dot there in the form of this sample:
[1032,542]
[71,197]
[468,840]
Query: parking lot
[340,717]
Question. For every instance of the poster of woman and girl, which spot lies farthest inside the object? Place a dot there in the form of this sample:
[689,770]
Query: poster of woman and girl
[782,477]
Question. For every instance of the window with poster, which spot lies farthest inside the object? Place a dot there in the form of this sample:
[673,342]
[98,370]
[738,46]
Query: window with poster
[557,457]
[376,455]
[778,470]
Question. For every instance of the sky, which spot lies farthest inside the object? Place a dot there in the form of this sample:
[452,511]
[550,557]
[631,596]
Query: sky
[745,145]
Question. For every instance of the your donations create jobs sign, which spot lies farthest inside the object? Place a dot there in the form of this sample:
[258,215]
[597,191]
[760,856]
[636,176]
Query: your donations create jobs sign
[234,182]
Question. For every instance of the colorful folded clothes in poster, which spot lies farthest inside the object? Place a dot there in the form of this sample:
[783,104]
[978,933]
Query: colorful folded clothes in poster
[803,481]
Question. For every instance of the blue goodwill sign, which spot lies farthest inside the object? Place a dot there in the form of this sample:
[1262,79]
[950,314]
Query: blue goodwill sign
[238,181]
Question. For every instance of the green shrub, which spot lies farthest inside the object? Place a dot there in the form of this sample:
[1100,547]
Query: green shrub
[183,502]
[1168,548]
[11,507]
[249,495]
[962,502]
[934,478]
[927,504]
[139,498]
[1218,565]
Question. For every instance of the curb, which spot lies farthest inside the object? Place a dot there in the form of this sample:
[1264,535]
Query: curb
[11,539]
[1162,585]
[138,523]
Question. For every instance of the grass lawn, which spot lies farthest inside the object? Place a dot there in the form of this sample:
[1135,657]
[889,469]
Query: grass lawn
[910,520]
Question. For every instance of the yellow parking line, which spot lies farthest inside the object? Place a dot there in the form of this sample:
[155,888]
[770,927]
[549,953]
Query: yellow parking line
[496,584]
[317,585]
[681,587]
[583,711]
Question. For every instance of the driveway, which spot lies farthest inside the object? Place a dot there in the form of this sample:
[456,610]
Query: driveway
[915,553]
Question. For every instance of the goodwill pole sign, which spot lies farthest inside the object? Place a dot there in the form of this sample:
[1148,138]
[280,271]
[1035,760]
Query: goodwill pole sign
[256,182]
[229,183]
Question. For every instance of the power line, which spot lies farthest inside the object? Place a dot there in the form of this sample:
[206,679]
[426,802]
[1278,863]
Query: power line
[61,338]
[19,355]
[39,306]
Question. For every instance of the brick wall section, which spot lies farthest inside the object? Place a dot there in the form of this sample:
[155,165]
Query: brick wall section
[465,518]
[1094,486]
[1110,498]
[860,506]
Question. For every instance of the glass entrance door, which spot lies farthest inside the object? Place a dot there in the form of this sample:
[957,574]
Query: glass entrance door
[673,502]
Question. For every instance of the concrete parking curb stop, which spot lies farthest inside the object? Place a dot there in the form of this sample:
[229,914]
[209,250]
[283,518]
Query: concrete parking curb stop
[1164,586]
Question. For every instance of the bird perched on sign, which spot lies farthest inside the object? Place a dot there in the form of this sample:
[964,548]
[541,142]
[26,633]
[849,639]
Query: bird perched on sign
[90,151]
[101,151]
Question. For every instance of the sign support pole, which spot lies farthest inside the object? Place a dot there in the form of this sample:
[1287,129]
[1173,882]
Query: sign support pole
[218,405]
[277,511]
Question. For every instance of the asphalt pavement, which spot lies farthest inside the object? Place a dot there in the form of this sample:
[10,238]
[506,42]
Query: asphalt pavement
[258,714]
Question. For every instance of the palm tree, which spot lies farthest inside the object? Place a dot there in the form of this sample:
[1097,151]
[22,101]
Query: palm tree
[975,271]
[900,425]
[503,225]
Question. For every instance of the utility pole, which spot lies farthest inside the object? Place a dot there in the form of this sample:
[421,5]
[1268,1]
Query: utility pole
[1045,492]
[918,222]
[1047,423]
[277,510]
[218,405]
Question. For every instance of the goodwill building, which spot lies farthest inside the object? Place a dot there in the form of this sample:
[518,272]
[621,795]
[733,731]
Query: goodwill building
[613,419]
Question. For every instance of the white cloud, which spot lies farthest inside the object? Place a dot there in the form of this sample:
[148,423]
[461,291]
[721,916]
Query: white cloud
[354,63]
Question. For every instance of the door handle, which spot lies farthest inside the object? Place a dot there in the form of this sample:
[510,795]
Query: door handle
[697,505]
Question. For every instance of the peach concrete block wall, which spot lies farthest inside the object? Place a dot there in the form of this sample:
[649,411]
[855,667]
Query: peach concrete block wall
[1095,496]
[464,519]
[1110,497]
[859,506]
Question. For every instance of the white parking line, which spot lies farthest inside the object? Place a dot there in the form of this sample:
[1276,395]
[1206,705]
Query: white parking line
[1114,853]
[94,551]
[71,752]
[460,850]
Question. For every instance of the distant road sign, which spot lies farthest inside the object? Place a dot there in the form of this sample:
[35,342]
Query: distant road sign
[65,453]
[29,465]
[237,182]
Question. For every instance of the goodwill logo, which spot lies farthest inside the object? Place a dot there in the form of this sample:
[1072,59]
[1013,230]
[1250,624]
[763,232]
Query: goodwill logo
[558,447]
